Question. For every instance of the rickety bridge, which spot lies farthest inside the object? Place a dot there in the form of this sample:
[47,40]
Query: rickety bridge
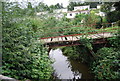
[74,39]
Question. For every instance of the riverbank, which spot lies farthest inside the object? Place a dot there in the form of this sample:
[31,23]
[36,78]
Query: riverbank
[104,66]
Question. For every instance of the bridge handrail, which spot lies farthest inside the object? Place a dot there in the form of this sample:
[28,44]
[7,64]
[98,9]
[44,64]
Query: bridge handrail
[77,29]
[76,26]
[80,34]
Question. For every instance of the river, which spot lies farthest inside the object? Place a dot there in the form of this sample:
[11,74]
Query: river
[68,69]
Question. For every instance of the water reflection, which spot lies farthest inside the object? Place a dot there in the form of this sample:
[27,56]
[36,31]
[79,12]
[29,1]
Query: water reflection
[62,66]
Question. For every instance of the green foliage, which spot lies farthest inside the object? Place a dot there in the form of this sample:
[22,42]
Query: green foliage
[106,66]
[70,7]
[93,4]
[118,23]
[79,52]
[106,63]
[117,5]
[79,18]
[92,19]
[113,16]
[58,6]
[115,41]
[23,56]
[104,20]
[30,10]
[86,42]
[71,52]
[105,8]
[42,7]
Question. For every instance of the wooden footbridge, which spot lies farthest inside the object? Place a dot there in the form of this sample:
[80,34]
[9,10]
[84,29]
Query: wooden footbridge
[74,39]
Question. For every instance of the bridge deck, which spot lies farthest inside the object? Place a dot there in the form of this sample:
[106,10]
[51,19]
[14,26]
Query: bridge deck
[75,38]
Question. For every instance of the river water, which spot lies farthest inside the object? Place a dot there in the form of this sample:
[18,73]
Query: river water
[68,69]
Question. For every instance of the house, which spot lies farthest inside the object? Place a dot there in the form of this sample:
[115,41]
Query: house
[72,14]
[78,10]
[87,7]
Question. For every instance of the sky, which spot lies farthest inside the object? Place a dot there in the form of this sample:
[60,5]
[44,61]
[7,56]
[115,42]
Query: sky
[53,2]
[48,2]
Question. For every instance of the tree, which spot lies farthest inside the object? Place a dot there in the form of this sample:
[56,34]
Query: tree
[71,5]
[92,19]
[93,4]
[117,5]
[30,9]
[113,16]
[42,7]
[105,8]
[29,6]
[58,6]
[79,18]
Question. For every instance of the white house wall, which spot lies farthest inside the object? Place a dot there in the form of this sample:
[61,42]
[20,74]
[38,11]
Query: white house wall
[73,14]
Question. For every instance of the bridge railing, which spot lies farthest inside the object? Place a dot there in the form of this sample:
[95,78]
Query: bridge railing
[82,32]
[55,31]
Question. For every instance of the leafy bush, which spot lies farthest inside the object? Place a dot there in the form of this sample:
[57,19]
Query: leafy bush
[118,23]
[71,52]
[22,57]
[115,41]
[106,64]
[78,52]
[113,16]
[86,42]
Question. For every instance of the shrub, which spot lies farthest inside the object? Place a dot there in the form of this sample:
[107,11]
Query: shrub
[22,57]
[106,64]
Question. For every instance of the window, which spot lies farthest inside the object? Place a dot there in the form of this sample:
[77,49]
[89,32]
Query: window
[70,14]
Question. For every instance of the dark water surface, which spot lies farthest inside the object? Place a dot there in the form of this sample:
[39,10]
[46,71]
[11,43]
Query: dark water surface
[68,69]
